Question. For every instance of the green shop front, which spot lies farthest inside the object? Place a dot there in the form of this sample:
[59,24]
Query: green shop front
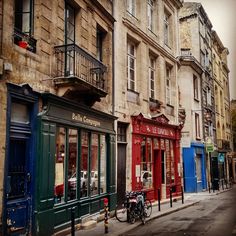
[75,166]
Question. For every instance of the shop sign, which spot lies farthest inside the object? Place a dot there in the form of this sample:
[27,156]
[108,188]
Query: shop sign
[84,119]
[185,139]
[221,157]
[209,147]
[158,131]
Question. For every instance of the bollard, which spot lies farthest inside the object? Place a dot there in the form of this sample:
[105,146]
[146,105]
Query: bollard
[222,183]
[170,197]
[209,187]
[105,200]
[72,221]
[182,193]
[159,199]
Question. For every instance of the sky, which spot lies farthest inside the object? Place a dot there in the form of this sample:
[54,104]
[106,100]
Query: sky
[222,15]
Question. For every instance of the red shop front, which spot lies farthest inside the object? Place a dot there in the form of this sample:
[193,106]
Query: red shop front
[156,156]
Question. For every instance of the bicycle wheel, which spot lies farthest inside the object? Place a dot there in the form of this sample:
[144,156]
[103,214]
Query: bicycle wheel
[148,206]
[121,213]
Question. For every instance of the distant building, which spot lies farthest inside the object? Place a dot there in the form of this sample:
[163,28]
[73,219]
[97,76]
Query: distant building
[196,51]
[222,106]
[232,166]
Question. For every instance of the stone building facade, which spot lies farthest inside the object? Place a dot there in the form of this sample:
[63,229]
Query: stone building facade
[196,39]
[222,105]
[146,46]
[57,127]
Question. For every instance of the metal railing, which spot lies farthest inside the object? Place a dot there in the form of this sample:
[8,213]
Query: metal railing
[73,61]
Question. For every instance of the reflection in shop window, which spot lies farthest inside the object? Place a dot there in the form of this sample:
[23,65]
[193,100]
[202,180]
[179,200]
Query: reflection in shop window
[94,165]
[146,163]
[103,173]
[72,157]
[84,164]
[59,165]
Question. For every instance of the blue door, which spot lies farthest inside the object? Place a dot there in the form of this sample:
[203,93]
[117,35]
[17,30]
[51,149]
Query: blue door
[18,194]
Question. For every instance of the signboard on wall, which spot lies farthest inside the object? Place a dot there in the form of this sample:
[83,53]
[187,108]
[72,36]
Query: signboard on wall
[185,139]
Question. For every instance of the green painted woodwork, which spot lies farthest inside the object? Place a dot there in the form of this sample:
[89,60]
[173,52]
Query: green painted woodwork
[50,217]
[44,223]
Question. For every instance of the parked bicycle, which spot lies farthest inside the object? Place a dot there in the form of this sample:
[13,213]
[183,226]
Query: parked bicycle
[135,206]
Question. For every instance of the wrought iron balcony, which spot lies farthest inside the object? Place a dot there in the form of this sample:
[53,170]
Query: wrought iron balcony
[80,70]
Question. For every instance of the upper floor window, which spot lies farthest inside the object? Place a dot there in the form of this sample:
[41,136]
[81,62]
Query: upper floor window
[121,132]
[70,25]
[152,64]
[131,65]
[168,85]
[197,126]
[167,29]
[208,96]
[131,6]
[195,87]
[100,37]
[150,8]
[23,25]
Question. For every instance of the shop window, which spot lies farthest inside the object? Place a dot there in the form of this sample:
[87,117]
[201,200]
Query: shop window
[72,163]
[103,166]
[146,163]
[94,165]
[59,165]
[198,167]
[23,27]
[84,167]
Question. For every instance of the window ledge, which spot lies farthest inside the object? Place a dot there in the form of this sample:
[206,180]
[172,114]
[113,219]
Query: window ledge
[28,53]
[196,99]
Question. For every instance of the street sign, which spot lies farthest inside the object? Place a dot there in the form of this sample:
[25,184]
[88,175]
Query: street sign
[209,148]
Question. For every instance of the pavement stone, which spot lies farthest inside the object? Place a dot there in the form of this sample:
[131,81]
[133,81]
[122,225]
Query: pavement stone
[117,228]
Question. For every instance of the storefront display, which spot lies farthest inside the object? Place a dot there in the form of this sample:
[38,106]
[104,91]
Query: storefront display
[155,156]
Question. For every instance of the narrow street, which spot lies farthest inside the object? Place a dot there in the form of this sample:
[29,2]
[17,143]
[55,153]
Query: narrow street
[213,217]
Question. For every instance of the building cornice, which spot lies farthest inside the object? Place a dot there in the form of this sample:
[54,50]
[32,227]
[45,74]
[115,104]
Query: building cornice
[192,62]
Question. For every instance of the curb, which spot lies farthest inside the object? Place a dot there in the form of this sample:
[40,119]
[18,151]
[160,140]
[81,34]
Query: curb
[168,212]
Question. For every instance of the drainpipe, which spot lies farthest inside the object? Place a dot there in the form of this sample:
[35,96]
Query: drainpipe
[113,67]
[2,29]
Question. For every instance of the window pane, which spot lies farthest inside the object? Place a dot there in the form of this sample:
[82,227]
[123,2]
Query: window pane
[103,167]
[59,165]
[94,165]
[198,167]
[149,150]
[19,113]
[72,163]
[84,164]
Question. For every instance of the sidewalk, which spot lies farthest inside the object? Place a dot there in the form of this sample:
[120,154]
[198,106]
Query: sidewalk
[117,228]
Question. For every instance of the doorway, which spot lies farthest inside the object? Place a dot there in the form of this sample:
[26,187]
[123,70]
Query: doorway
[163,174]
[18,203]
[121,173]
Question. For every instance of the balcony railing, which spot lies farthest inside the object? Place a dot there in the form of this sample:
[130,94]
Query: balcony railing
[74,62]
